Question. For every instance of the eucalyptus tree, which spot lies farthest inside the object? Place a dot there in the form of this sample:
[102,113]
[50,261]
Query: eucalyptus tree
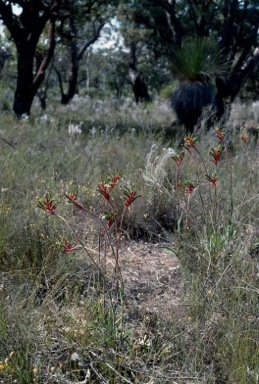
[25,25]
[115,70]
[77,33]
[145,31]
[26,21]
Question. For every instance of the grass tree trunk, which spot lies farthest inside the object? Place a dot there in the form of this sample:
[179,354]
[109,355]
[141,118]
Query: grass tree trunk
[196,63]
[189,100]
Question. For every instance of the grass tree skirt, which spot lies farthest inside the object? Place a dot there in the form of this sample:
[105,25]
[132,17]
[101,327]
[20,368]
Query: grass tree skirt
[189,100]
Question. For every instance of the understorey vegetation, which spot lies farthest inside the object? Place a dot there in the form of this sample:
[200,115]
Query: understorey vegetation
[129,248]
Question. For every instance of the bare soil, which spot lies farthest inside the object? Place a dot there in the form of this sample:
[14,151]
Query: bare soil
[152,278]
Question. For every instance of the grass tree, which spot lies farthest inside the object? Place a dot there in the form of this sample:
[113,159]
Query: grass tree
[196,64]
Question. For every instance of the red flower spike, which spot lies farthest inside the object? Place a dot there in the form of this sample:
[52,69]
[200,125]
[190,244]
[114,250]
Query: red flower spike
[130,195]
[110,222]
[178,158]
[186,187]
[115,179]
[190,188]
[130,199]
[104,190]
[107,186]
[72,198]
[244,137]
[216,154]
[220,134]
[68,247]
[212,179]
[110,219]
[190,142]
[113,182]
[49,207]
[48,204]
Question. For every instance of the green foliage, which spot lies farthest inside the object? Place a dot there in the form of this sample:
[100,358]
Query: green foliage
[166,92]
[155,28]
[199,59]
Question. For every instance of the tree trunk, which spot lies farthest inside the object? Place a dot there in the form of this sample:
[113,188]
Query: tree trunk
[138,84]
[24,89]
[76,57]
[229,87]
[43,64]
[28,84]
[172,19]
[73,77]
[25,30]
[88,71]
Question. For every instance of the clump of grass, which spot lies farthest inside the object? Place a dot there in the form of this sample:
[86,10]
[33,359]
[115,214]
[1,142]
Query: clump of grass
[214,196]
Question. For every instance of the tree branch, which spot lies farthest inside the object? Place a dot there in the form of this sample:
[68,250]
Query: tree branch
[59,81]
[46,60]
[238,79]
[173,21]
[228,25]
[90,41]
[9,19]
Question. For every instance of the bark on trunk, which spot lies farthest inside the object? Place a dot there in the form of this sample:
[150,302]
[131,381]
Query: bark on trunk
[28,84]
[43,65]
[24,90]
[229,87]
[172,19]
[72,82]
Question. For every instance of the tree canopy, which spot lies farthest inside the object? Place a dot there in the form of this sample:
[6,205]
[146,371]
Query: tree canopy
[164,26]
[26,28]
[153,30]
